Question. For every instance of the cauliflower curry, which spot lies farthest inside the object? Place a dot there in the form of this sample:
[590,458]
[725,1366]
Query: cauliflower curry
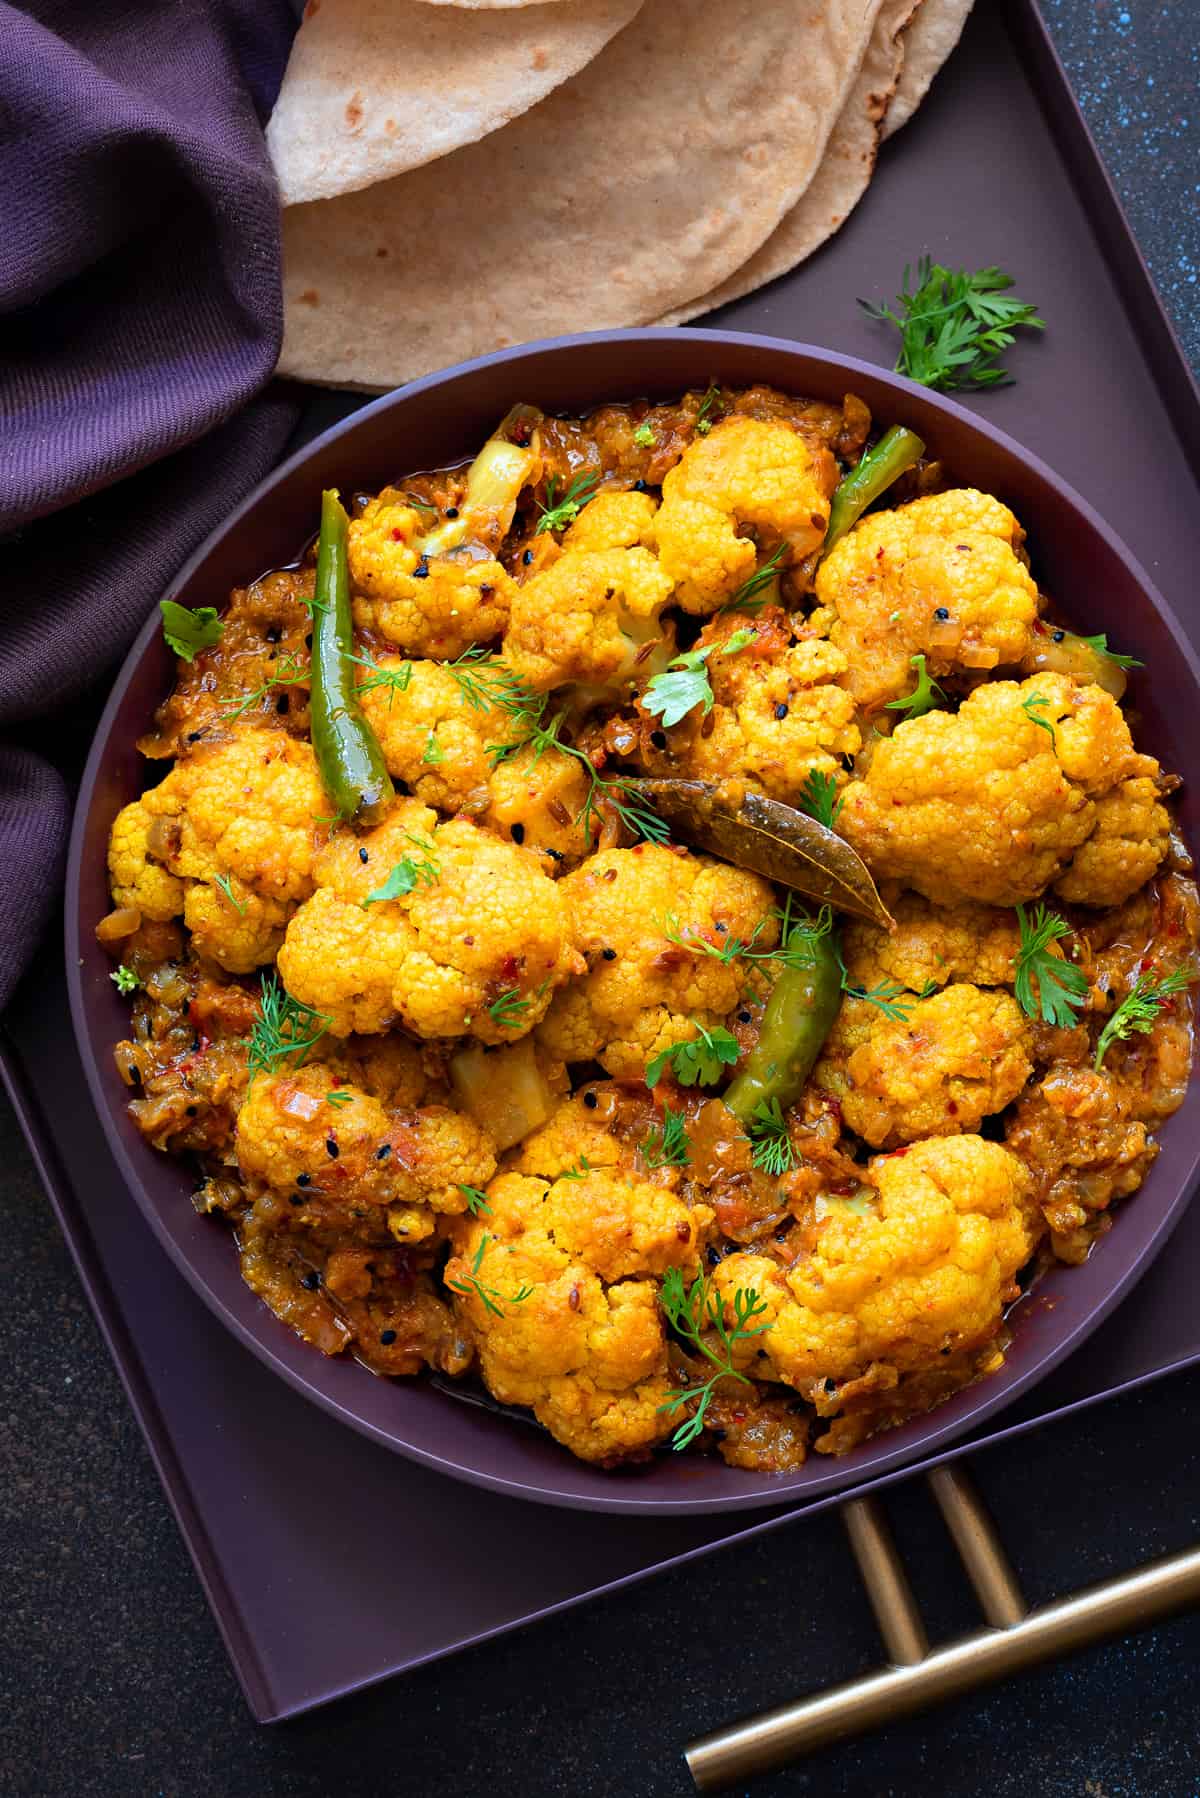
[491,1076]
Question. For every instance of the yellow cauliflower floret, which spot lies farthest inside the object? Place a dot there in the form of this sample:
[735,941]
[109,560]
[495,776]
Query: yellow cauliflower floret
[592,617]
[432,606]
[940,577]
[989,803]
[613,521]
[589,1358]
[932,944]
[232,831]
[779,712]
[642,991]
[1131,838]
[747,475]
[411,1161]
[432,738]
[574,1134]
[539,800]
[958,1057]
[927,1269]
[135,879]
[482,926]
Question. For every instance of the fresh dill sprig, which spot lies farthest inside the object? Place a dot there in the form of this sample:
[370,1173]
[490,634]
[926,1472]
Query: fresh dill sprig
[771,1145]
[666,1145]
[695,1312]
[477,1203]
[581,1168]
[621,797]
[489,1297]
[926,696]
[289,672]
[508,1011]
[746,598]
[1061,988]
[1139,1009]
[284,1030]
[1100,644]
[395,680]
[954,325]
[796,947]
[338,1097]
[433,755]
[487,684]
[894,1001]
[819,798]
[1033,708]
[557,514]
[698,1062]
[225,886]
[125,980]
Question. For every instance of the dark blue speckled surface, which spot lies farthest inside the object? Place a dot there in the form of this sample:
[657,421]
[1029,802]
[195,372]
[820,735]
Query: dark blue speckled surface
[113,1679]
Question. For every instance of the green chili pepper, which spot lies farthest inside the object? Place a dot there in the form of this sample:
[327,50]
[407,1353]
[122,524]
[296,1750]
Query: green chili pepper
[347,749]
[796,1020]
[896,450]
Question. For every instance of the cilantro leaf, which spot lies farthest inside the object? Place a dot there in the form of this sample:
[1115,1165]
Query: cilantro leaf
[1061,987]
[926,696]
[955,326]
[673,695]
[700,1061]
[1139,1009]
[188,632]
[1100,644]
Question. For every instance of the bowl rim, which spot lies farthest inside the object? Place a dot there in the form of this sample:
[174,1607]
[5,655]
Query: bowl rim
[871,1460]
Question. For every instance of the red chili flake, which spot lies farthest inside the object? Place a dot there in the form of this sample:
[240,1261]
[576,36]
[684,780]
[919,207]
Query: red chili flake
[397,535]
[683,1230]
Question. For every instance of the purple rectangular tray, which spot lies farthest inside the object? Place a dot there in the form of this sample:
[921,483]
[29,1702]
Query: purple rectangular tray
[287,1514]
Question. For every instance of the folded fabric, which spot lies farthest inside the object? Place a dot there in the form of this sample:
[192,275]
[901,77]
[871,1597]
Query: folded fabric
[140,314]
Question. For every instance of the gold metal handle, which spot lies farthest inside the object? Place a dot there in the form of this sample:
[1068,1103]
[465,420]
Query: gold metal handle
[1016,1639]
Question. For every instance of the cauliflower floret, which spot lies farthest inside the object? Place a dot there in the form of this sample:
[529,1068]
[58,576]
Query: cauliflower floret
[940,577]
[539,800]
[432,606]
[482,926]
[990,803]
[927,1269]
[643,991]
[932,945]
[589,1358]
[432,738]
[613,521]
[411,1162]
[135,879]
[228,839]
[1130,840]
[778,713]
[958,1057]
[593,617]
[747,474]
[577,1133]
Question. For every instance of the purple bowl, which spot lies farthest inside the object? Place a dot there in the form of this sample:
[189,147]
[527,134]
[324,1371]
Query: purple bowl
[443,419]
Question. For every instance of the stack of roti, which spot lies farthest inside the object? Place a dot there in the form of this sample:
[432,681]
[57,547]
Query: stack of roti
[462,175]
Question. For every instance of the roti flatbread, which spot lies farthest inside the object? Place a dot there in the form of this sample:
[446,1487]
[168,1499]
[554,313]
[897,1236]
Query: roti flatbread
[927,43]
[644,180]
[375,87]
[840,181]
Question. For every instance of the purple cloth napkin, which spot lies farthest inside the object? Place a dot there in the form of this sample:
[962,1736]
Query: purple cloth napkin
[140,315]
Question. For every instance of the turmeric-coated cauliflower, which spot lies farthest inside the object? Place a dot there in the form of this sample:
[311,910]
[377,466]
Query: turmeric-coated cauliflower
[475,946]
[228,838]
[559,1287]
[433,738]
[990,803]
[940,577]
[350,1153]
[1127,846]
[613,521]
[779,711]
[924,1271]
[643,990]
[950,1061]
[932,945]
[426,605]
[540,800]
[747,475]
[592,618]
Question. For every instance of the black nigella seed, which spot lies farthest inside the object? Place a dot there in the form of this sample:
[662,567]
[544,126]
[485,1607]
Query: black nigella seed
[303,1179]
[331,1148]
[273,633]
[658,739]
[745,1017]
[451,511]
[194,736]
[527,558]
[363,857]
[609,954]
[382,1153]
[518,833]
[192,1110]
[1057,636]
[310,1282]
[591,1101]
[556,855]
[781,710]
[942,613]
[281,704]
[421,571]
[298,1198]
[831,1385]
[308,641]
[387,1337]
[639,487]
